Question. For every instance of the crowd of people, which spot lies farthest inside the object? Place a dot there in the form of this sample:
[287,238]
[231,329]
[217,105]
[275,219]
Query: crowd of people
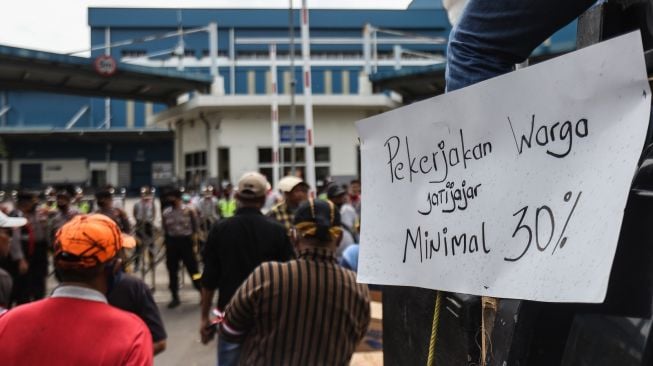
[280,262]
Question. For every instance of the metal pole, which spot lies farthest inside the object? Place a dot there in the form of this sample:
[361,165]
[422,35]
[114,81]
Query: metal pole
[107,101]
[181,46]
[144,39]
[367,48]
[232,58]
[309,152]
[213,48]
[397,54]
[293,107]
[375,51]
[275,115]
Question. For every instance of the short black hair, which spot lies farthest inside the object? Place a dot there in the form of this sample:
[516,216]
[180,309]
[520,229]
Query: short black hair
[250,201]
[103,194]
[79,274]
[25,196]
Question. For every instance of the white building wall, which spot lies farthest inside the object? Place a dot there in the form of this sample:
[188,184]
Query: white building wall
[59,171]
[336,129]
[194,136]
[244,131]
[53,171]
[112,171]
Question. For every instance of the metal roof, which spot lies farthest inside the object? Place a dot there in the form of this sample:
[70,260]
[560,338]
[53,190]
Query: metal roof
[412,84]
[149,135]
[26,69]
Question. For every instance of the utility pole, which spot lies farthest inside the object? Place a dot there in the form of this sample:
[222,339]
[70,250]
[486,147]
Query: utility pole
[309,152]
[293,107]
[274,115]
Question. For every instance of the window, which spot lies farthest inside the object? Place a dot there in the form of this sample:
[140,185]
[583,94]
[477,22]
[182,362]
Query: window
[133,53]
[322,161]
[195,168]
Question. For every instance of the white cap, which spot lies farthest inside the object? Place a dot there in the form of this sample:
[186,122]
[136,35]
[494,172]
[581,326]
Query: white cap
[286,184]
[6,221]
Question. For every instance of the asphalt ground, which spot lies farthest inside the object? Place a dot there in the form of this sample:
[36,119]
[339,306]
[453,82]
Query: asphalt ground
[182,325]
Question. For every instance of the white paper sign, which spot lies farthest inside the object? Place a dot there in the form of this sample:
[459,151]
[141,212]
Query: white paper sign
[511,188]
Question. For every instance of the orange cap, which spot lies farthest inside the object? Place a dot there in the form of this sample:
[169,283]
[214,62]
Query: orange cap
[87,240]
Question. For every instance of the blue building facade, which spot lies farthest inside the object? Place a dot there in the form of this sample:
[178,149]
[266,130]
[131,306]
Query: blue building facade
[346,47]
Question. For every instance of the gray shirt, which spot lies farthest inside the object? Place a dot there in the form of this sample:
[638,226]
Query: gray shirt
[144,211]
[179,221]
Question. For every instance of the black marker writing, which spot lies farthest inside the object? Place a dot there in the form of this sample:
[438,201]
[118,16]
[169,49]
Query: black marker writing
[546,135]
[450,198]
[463,243]
[544,227]
[404,163]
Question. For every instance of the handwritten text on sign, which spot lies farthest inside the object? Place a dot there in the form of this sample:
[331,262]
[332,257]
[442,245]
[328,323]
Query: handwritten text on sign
[514,187]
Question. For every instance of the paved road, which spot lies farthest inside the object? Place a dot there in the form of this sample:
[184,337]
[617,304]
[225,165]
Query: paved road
[182,325]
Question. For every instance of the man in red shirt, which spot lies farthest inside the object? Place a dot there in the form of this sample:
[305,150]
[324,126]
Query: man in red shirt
[75,325]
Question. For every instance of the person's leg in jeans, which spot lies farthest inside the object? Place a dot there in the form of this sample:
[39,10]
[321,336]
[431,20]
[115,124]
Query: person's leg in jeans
[492,36]
[228,353]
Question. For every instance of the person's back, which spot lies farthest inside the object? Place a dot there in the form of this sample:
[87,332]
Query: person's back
[240,243]
[44,333]
[313,313]
[131,294]
[233,249]
[308,311]
[75,325]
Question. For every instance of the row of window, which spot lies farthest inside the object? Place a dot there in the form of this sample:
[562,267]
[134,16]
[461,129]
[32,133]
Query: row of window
[196,164]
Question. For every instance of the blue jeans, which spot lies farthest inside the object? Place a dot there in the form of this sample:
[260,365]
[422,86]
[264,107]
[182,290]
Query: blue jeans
[492,36]
[228,353]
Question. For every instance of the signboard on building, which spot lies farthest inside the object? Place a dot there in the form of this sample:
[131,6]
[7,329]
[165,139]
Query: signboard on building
[162,173]
[514,187]
[105,65]
[286,131]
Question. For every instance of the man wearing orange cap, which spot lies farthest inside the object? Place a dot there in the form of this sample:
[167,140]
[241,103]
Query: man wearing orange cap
[75,325]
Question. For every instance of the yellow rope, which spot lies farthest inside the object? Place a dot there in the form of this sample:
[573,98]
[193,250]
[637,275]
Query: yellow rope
[434,329]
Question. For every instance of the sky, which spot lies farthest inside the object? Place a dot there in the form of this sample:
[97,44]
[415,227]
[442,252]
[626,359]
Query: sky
[61,25]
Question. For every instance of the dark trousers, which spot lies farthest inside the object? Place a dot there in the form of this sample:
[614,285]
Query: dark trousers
[180,248]
[31,285]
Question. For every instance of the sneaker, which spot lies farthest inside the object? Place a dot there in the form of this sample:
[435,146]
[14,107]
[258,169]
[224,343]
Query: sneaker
[174,303]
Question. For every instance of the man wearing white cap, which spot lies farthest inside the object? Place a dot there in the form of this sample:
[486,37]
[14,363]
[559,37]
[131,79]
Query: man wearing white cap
[295,191]
[6,225]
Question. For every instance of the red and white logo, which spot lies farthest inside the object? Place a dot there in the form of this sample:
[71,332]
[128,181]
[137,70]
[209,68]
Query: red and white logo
[105,65]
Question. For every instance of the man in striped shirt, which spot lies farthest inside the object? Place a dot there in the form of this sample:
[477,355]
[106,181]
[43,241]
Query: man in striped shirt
[308,311]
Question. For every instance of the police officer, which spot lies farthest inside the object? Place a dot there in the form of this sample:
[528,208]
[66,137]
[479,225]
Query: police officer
[65,211]
[30,252]
[105,206]
[144,213]
[180,224]
[207,208]
[227,203]
[83,206]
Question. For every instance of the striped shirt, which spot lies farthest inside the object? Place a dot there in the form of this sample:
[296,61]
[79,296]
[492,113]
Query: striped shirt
[308,311]
[282,214]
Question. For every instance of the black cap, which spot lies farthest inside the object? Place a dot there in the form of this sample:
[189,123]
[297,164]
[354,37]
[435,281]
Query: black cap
[335,190]
[103,194]
[172,192]
[323,213]
[24,196]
